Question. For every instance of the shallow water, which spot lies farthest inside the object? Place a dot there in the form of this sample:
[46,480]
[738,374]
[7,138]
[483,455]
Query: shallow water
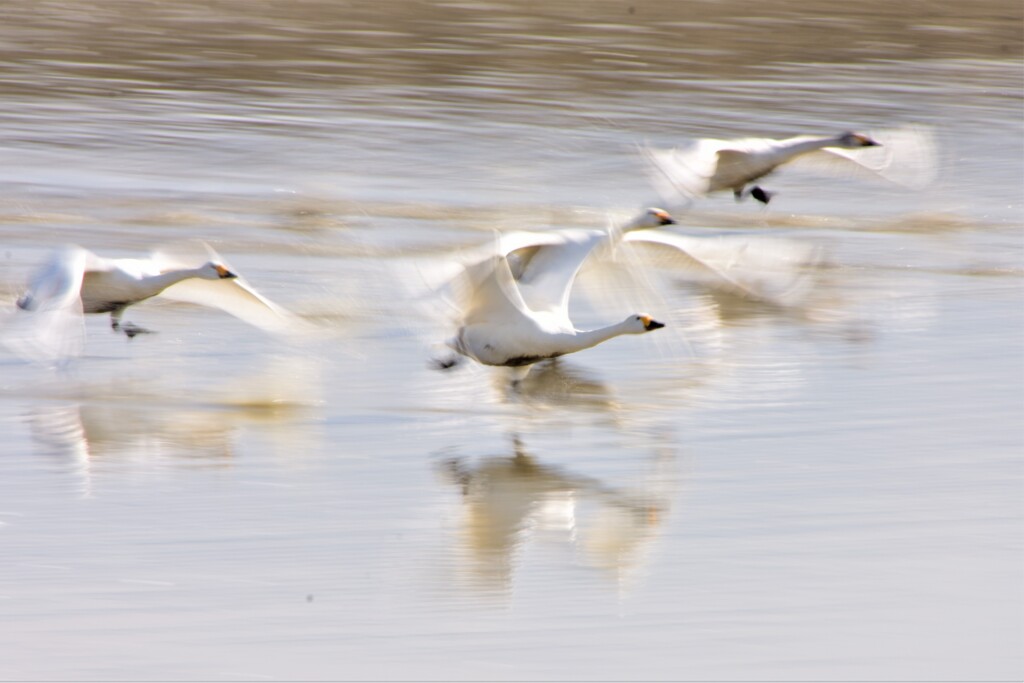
[755,492]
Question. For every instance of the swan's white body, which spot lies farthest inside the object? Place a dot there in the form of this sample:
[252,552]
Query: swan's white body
[76,281]
[516,324]
[904,156]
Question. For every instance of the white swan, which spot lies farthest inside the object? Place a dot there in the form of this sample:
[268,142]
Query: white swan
[542,268]
[905,156]
[75,281]
[499,328]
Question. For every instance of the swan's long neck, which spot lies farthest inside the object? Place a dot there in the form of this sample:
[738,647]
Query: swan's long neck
[591,338]
[635,224]
[790,149]
[159,283]
[641,222]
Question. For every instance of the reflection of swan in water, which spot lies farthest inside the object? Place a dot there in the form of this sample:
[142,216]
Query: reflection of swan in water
[109,429]
[84,424]
[122,434]
[556,381]
[508,499]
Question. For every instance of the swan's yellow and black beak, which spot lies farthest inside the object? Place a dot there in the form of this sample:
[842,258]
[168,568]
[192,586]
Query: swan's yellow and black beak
[224,273]
[664,218]
[650,323]
[865,141]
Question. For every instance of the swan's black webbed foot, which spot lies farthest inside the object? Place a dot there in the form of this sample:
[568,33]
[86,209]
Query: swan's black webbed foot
[761,195]
[130,330]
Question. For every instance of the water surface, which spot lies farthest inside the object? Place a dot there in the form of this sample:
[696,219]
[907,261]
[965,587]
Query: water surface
[755,492]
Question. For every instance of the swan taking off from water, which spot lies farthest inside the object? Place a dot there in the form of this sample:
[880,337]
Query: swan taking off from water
[74,281]
[904,156]
[516,324]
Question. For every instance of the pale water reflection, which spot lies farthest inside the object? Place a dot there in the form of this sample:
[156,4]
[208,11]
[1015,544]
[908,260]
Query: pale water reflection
[148,422]
[509,502]
[556,382]
[817,488]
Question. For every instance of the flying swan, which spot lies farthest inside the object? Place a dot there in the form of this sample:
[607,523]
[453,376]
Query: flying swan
[905,156]
[515,324]
[48,319]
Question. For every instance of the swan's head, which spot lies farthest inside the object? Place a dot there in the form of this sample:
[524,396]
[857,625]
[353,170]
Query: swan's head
[652,218]
[660,217]
[640,323]
[855,140]
[215,271]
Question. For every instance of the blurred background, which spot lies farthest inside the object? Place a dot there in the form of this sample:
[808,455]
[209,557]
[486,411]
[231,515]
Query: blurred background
[823,491]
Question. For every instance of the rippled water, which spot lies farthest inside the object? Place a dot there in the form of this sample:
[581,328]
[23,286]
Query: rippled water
[752,493]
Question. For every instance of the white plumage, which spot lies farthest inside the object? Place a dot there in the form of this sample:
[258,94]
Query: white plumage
[904,156]
[515,324]
[75,281]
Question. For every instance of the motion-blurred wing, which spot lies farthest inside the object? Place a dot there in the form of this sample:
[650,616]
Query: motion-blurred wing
[58,284]
[547,278]
[487,293]
[759,268]
[48,324]
[906,156]
[520,247]
[238,298]
[526,254]
[681,174]
[437,275]
[235,296]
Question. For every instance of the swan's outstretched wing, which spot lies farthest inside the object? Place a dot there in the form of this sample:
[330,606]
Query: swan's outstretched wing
[682,248]
[546,277]
[58,283]
[906,156]
[48,324]
[682,173]
[528,257]
[239,299]
[436,275]
[487,293]
[235,296]
[760,268]
[521,246]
